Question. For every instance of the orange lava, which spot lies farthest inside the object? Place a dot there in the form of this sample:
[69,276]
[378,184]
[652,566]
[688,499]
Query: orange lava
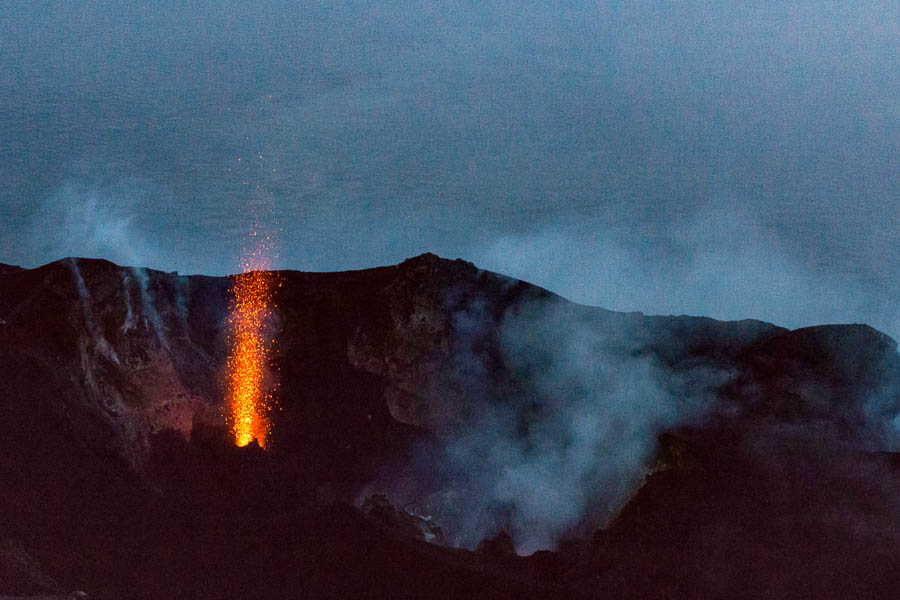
[248,373]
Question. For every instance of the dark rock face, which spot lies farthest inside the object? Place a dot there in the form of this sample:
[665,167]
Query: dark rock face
[500,546]
[380,509]
[4,269]
[729,521]
[722,459]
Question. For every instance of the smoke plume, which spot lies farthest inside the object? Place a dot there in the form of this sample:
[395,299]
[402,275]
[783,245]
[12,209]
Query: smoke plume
[558,449]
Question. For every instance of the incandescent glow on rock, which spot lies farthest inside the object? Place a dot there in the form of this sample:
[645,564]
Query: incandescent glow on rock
[249,385]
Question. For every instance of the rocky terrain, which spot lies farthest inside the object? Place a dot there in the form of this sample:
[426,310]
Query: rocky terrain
[441,431]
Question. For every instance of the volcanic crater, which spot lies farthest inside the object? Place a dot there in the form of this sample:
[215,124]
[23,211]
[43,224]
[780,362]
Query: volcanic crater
[441,431]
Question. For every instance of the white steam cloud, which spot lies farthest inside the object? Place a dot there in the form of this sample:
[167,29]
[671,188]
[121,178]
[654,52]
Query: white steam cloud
[569,442]
[104,221]
[96,221]
[720,262]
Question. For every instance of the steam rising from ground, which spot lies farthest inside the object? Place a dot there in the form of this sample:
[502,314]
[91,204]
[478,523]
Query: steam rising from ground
[557,451]
[563,452]
[99,220]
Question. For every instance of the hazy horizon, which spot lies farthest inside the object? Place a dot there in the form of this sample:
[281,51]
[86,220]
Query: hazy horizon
[731,161]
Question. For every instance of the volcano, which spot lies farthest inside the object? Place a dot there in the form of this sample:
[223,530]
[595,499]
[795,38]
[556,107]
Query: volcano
[442,432]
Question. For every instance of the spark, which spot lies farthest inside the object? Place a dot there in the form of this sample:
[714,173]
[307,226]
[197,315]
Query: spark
[249,389]
[251,334]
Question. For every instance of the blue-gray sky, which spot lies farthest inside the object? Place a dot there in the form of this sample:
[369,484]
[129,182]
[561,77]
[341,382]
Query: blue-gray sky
[731,159]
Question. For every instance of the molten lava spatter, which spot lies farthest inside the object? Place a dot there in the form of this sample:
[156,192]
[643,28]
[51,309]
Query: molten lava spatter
[251,331]
[251,324]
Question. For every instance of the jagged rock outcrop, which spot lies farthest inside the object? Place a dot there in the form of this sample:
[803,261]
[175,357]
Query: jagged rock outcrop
[128,348]
[435,308]
[379,508]
[500,546]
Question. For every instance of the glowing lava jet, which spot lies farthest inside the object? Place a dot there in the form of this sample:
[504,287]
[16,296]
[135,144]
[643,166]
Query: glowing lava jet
[250,338]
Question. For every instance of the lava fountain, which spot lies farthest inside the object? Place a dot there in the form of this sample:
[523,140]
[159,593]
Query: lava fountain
[251,321]
[248,376]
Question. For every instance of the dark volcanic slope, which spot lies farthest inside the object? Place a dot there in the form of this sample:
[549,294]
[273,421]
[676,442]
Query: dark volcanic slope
[756,454]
